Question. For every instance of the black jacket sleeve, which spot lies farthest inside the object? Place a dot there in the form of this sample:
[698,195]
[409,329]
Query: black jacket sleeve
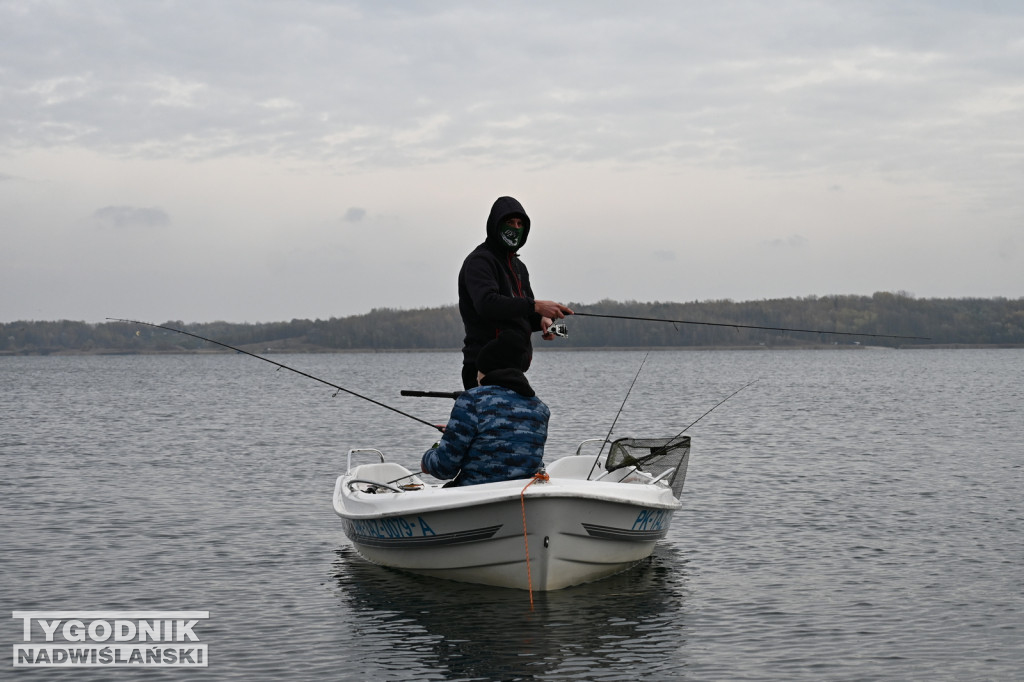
[482,278]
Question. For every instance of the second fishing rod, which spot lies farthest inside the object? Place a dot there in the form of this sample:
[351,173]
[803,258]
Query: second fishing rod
[279,365]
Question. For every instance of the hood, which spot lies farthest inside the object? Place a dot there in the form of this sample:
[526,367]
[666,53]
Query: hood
[503,208]
[512,379]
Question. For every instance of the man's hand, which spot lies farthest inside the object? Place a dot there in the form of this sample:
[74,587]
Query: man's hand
[550,310]
[546,322]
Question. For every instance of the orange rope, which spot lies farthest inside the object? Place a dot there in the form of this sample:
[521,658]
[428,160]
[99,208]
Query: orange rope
[539,476]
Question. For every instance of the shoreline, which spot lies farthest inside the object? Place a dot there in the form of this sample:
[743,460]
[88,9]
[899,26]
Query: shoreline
[65,352]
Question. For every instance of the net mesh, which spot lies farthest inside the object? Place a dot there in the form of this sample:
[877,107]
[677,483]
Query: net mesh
[664,458]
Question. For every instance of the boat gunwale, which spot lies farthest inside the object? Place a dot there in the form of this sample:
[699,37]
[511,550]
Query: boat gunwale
[394,504]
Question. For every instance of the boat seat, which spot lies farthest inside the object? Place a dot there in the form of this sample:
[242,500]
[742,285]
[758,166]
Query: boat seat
[382,472]
[575,466]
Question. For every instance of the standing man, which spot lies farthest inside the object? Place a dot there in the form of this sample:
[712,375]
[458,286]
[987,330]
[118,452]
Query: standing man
[494,289]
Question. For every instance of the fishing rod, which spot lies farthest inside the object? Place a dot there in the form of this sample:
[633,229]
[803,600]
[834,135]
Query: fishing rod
[612,428]
[280,366]
[750,326]
[657,452]
[671,442]
[431,394]
[751,383]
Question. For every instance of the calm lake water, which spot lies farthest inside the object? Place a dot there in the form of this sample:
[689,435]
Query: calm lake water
[853,515]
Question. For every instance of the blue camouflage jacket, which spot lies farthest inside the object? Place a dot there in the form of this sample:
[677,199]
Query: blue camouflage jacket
[495,433]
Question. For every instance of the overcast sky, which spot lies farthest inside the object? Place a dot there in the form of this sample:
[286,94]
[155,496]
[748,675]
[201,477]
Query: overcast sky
[263,161]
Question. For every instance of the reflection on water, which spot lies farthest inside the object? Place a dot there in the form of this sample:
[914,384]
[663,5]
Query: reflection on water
[597,631]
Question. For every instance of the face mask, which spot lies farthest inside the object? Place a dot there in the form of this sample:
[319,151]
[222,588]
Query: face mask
[512,236]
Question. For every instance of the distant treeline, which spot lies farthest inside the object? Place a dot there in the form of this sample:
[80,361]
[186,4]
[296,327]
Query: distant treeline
[961,321]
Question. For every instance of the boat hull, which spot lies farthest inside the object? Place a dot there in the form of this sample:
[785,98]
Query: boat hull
[576,531]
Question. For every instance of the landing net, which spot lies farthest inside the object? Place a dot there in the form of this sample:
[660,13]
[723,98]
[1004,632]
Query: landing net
[663,458]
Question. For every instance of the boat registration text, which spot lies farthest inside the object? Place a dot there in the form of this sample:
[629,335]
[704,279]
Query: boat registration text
[392,528]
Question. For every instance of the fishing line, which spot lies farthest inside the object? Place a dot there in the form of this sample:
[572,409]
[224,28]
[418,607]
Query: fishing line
[282,366]
[750,326]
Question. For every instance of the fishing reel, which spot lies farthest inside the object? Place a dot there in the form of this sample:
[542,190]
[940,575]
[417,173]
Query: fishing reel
[558,329]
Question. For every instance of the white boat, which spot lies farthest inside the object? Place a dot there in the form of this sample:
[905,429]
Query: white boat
[583,518]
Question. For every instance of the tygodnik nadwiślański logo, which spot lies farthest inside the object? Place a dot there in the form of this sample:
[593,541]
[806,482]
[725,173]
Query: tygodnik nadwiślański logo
[116,639]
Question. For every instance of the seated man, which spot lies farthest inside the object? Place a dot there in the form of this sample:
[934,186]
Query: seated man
[497,430]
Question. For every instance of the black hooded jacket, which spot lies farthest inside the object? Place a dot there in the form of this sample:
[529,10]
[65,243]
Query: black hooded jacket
[494,286]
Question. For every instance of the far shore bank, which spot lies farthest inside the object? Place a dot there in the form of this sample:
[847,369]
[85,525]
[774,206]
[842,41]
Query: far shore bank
[317,350]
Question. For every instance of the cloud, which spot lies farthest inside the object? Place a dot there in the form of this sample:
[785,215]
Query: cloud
[354,215]
[786,88]
[59,90]
[170,91]
[130,217]
[278,103]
